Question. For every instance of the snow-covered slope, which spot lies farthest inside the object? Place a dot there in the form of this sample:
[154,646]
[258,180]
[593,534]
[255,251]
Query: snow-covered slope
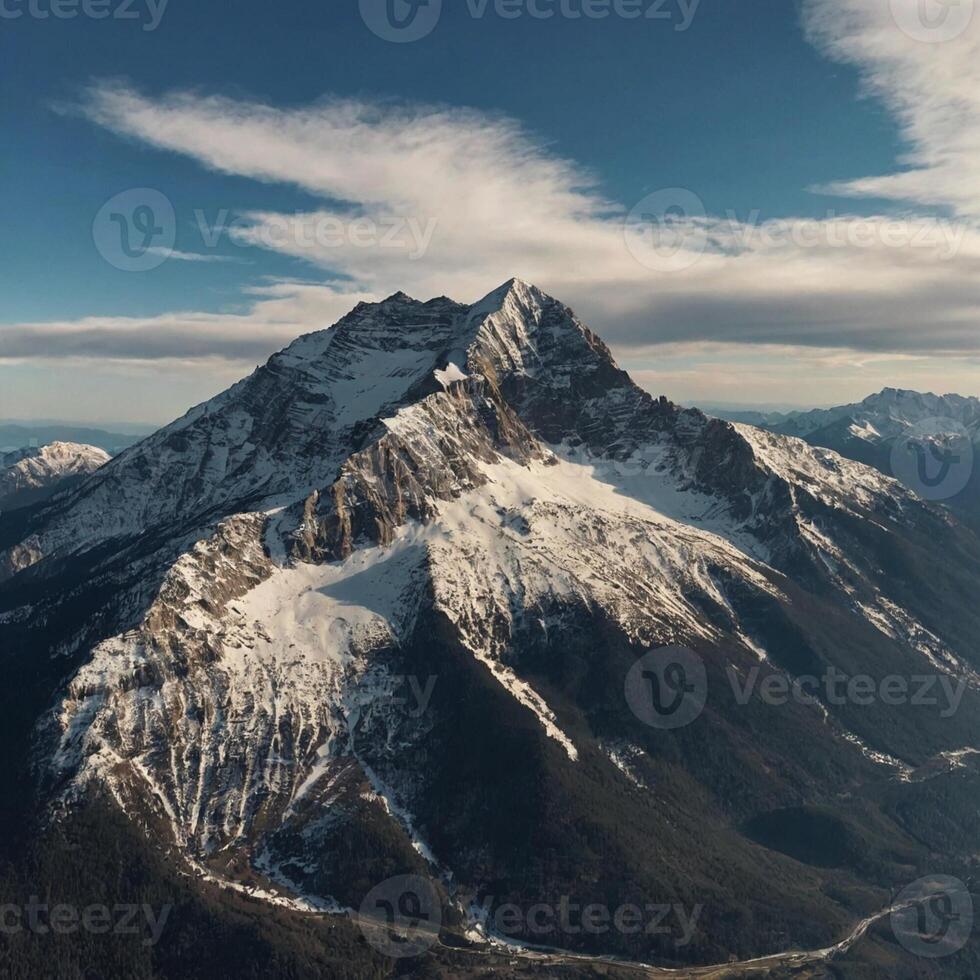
[26,475]
[479,497]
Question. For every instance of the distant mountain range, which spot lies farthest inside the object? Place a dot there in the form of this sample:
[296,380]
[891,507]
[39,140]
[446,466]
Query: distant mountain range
[440,592]
[929,442]
[20,435]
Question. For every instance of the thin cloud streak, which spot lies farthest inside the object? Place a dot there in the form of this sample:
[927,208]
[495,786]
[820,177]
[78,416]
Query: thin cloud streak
[495,202]
[280,311]
[931,84]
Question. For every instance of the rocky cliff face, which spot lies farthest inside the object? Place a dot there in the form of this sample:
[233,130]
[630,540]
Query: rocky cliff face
[371,611]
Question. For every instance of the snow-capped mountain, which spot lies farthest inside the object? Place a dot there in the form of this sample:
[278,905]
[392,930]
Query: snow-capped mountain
[370,612]
[890,412]
[28,475]
[929,442]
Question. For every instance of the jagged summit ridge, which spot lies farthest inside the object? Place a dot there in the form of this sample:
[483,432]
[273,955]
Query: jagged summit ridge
[286,436]
[287,429]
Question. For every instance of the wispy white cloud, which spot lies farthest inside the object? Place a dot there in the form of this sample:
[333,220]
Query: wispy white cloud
[495,203]
[438,200]
[921,58]
[277,313]
[178,256]
[779,375]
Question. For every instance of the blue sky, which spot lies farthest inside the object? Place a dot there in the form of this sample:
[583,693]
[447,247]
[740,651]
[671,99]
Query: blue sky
[540,138]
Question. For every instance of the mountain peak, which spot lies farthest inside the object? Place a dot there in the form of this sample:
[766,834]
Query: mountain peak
[397,297]
[515,293]
[518,286]
[30,475]
[890,394]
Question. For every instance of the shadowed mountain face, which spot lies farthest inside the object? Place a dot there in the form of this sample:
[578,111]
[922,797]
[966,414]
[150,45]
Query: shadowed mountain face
[380,609]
